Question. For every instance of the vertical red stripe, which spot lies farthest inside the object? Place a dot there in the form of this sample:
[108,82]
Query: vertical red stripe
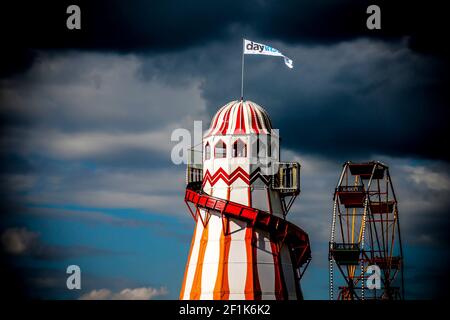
[214,126]
[267,119]
[226,254]
[249,280]
[221,288]
[197,283]
[242,119]
[252,285]
[257,119]
[267,124]
[254,121]
[217,119]
[224,127]
[256,284]
[183,286]
[217,130]
[280,287]
[238,128]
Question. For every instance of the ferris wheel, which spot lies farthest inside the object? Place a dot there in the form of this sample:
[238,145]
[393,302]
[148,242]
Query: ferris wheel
[365,249]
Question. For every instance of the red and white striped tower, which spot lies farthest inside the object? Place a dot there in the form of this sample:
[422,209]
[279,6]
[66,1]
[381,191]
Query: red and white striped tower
[243,247]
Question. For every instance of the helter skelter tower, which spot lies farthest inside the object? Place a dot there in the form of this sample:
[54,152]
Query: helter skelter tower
[365,232]
[239,195]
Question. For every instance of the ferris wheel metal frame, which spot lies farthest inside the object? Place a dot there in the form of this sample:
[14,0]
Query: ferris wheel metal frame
[365,231]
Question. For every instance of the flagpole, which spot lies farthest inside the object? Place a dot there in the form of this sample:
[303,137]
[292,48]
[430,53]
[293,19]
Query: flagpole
[242,72]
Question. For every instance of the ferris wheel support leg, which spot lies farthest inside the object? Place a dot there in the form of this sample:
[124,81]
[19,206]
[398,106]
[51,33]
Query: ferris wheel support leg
[399,236]
[364,228]
[331,279]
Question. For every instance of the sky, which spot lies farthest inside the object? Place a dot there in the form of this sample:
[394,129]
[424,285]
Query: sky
[86,117]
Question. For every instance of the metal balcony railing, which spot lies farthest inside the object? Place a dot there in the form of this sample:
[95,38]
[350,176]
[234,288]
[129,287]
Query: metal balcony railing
[287,178]
[194,168]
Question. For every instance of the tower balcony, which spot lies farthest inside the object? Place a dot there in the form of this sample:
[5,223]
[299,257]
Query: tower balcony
[287,178]
[194,170]
[283,177]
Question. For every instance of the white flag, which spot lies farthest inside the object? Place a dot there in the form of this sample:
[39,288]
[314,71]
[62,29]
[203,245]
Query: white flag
[252,47]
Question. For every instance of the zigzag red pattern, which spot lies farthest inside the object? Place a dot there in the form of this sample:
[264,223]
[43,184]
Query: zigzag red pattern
[236,174]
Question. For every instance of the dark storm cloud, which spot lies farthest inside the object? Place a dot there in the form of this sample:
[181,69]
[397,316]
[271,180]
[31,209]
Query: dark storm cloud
[87,116]
[349,99]
[74,91]
[341,101]
[384,100]
[161,26]
[348,96]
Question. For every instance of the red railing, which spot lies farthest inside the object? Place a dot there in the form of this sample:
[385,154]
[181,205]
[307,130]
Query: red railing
[281,229]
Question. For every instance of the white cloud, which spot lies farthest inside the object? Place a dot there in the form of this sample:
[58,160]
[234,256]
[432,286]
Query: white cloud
[423,176]
[144,293]
[91,91]
[92,144]
[101,294]
[86,105]
[140,294]
[98,109]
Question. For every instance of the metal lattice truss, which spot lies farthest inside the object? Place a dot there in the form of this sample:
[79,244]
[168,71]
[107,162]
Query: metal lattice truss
[365,232]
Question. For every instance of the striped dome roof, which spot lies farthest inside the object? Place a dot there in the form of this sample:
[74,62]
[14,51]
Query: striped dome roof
[240,117]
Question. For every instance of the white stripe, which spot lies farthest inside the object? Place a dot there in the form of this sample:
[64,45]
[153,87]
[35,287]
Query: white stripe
[233,118]
[211,128]
[261,120]
[193,261]
[222,116]
[288,273]
[266,268]
[247,118]
[237,259]
[212,257]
